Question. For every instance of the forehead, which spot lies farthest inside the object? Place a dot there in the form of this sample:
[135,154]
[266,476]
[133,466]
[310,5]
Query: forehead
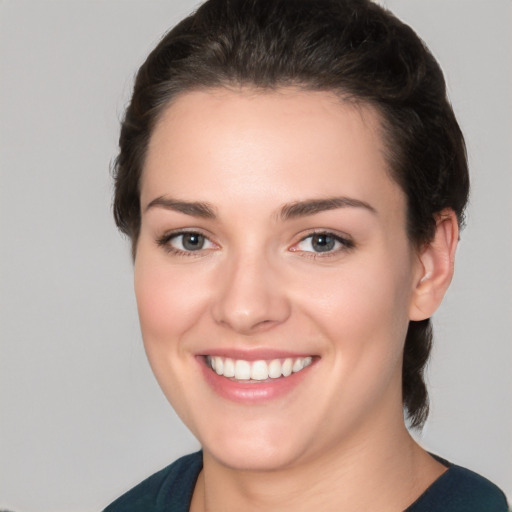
[285,145]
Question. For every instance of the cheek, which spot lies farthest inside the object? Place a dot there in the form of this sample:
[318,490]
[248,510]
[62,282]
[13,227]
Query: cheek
[169,305]
[367,330]
[168,301]
[360,301]
[363,310]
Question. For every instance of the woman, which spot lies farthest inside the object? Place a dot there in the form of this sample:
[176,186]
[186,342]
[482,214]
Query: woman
[293,180]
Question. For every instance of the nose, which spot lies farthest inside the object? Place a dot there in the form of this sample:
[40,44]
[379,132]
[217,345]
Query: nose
[250,298]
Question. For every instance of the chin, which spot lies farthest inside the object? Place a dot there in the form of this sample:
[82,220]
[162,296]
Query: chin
[257,448]
[248,458]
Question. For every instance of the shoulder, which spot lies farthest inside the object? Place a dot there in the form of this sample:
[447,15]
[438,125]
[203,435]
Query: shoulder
[171,486]
[461,490]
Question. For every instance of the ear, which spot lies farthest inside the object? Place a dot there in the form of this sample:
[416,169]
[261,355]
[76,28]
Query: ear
[435,269]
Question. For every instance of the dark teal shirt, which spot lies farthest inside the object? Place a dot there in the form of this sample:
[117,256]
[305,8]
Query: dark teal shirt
[170,490]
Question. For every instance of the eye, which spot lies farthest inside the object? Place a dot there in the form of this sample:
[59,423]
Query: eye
[323,242]
[185,242]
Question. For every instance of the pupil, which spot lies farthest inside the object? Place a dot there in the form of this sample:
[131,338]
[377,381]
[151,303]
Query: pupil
[323,243]
[193,241]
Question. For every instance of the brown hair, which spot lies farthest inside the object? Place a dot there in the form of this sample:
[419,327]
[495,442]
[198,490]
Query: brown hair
[352,47]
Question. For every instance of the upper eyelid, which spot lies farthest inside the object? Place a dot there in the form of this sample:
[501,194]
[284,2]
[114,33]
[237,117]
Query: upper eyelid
[340,236]
[165,242]
[345,240]
[184,231]
[334,233]
[165,239]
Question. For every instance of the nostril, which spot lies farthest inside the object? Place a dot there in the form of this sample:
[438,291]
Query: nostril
[247,299]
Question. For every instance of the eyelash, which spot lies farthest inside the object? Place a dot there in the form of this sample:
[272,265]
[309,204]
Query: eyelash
[345,243]
[165,242]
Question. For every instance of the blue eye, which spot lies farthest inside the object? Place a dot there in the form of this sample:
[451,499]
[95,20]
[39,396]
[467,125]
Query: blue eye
[323,243]
[185,242]
[189,241]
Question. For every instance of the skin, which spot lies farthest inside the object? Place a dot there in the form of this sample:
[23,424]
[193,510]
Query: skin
[257,283]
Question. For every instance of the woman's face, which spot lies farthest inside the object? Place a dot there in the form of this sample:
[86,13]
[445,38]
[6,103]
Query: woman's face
[273,238]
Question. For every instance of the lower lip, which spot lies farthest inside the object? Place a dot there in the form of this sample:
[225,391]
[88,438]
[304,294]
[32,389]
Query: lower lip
[252,392]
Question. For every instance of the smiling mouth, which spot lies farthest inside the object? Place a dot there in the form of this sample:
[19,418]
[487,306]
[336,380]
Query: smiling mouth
[257,371]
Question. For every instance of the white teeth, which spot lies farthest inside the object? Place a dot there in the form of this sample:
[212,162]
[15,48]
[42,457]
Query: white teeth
[242,370]
[229,368]
[219,365]
[287,367]
[274,369]
[257,370]
[298,364]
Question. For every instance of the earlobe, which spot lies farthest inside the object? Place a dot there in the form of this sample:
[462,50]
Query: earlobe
[436,265]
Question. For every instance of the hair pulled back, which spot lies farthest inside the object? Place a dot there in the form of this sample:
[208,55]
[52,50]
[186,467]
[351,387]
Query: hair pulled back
[351,47]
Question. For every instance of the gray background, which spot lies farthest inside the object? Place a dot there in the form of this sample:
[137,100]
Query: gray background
[81,415]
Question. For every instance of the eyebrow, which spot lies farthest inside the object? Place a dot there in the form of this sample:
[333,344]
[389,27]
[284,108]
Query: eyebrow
[313,206]
[288,211]
[194,208]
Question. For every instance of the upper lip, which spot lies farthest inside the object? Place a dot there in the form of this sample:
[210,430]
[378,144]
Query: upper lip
[256,354]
